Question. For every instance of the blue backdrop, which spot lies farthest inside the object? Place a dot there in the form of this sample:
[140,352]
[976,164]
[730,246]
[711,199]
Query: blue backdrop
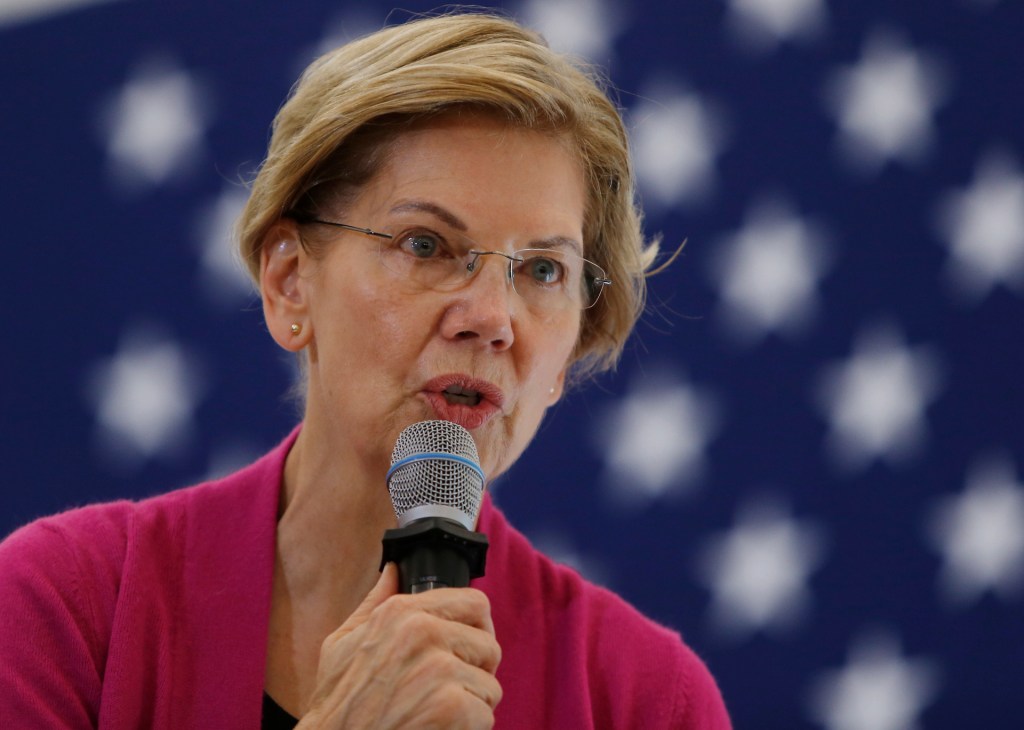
[809,461]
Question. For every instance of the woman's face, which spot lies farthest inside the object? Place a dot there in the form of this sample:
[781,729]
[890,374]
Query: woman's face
[384,354]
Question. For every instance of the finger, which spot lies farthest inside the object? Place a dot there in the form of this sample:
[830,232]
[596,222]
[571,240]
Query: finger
[467,606]
[385,587]
[473,646]
[450,707]
[483,685]
[406,631]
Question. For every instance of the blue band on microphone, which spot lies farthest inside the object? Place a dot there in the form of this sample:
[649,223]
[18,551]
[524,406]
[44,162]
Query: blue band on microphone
[436,455]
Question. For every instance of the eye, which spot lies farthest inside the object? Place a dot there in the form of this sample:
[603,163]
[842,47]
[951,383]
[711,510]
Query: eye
[421,244]
[543,269]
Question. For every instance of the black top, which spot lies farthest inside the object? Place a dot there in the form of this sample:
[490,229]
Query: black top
[274,718]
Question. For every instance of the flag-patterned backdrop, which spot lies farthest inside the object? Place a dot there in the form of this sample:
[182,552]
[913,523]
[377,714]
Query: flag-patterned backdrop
[810,460]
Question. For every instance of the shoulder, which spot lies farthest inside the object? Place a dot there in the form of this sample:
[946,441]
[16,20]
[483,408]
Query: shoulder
[91,539]
[80,554]
[96,540]
[59,581]
[639,673]
[97,584]
[61,549]
[69,567]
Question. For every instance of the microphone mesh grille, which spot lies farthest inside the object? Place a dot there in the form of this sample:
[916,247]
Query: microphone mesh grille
[436,481]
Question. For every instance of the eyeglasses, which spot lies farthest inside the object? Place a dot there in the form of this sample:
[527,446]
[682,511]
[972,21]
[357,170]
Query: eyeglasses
[546,278]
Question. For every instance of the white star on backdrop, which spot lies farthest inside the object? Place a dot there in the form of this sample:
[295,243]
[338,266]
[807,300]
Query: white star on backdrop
[984,226]
[145,397]
[653,439]
[980,534]
[154,126]
[875,401]
[884,105]
[351,24]
[584,28]
[878,689]
[676,139]
[223,276]
[763,24]
[20,11]
[767,273]
[757,571]
[555,544]
[230,457]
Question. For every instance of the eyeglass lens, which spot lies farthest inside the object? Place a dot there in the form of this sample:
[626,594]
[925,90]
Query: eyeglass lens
[545,278]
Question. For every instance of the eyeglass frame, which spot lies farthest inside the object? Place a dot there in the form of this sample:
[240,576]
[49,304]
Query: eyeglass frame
[598,283]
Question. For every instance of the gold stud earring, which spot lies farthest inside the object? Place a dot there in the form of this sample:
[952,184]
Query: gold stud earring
[296,328]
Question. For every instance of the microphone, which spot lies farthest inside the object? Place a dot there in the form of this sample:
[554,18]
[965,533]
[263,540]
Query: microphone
[436,487]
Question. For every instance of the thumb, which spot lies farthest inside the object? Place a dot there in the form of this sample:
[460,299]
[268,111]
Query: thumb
[387,586]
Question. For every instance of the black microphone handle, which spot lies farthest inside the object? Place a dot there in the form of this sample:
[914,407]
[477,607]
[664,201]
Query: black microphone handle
[434,552]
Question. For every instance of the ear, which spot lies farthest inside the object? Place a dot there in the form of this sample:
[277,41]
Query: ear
[282,287]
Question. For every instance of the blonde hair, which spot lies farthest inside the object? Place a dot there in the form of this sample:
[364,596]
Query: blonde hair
[333,133]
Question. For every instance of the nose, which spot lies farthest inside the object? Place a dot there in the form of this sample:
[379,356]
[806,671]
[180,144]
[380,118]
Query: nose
[482,311]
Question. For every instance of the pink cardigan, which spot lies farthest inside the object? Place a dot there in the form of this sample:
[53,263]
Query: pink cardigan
[154,614]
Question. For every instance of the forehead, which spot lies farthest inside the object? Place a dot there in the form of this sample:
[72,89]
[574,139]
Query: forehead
[478,167]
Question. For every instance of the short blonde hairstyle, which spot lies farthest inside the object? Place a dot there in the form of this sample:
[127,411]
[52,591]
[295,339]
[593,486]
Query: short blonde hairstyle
[334,130]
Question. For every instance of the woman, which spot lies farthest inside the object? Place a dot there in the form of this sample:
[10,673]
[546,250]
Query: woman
[444,227]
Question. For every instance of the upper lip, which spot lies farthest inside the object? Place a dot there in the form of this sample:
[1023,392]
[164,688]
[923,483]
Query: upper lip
[488,391]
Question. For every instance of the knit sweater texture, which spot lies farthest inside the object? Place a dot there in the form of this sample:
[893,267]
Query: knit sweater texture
[155,614]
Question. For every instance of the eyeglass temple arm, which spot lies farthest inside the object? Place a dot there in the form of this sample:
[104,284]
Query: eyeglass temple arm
[302,218]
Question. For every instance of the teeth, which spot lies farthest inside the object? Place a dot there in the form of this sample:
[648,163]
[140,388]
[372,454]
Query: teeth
[460,395]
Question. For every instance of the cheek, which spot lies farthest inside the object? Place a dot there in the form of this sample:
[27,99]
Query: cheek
[351,321]
[379,332]
[555,347]
[551,359]
[345,287]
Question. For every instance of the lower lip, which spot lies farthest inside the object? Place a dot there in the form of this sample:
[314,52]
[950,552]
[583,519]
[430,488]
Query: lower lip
[469,417]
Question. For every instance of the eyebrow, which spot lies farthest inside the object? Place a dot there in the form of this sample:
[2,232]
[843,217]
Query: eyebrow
[558,242]
[450,219]
[423,206]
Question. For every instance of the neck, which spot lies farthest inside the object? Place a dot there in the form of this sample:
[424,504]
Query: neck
[331,520]
[332,517]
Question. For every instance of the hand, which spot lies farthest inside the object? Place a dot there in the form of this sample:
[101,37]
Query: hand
[425,660]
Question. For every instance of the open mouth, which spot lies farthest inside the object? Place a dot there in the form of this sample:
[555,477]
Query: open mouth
[463,399]
[457,395]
